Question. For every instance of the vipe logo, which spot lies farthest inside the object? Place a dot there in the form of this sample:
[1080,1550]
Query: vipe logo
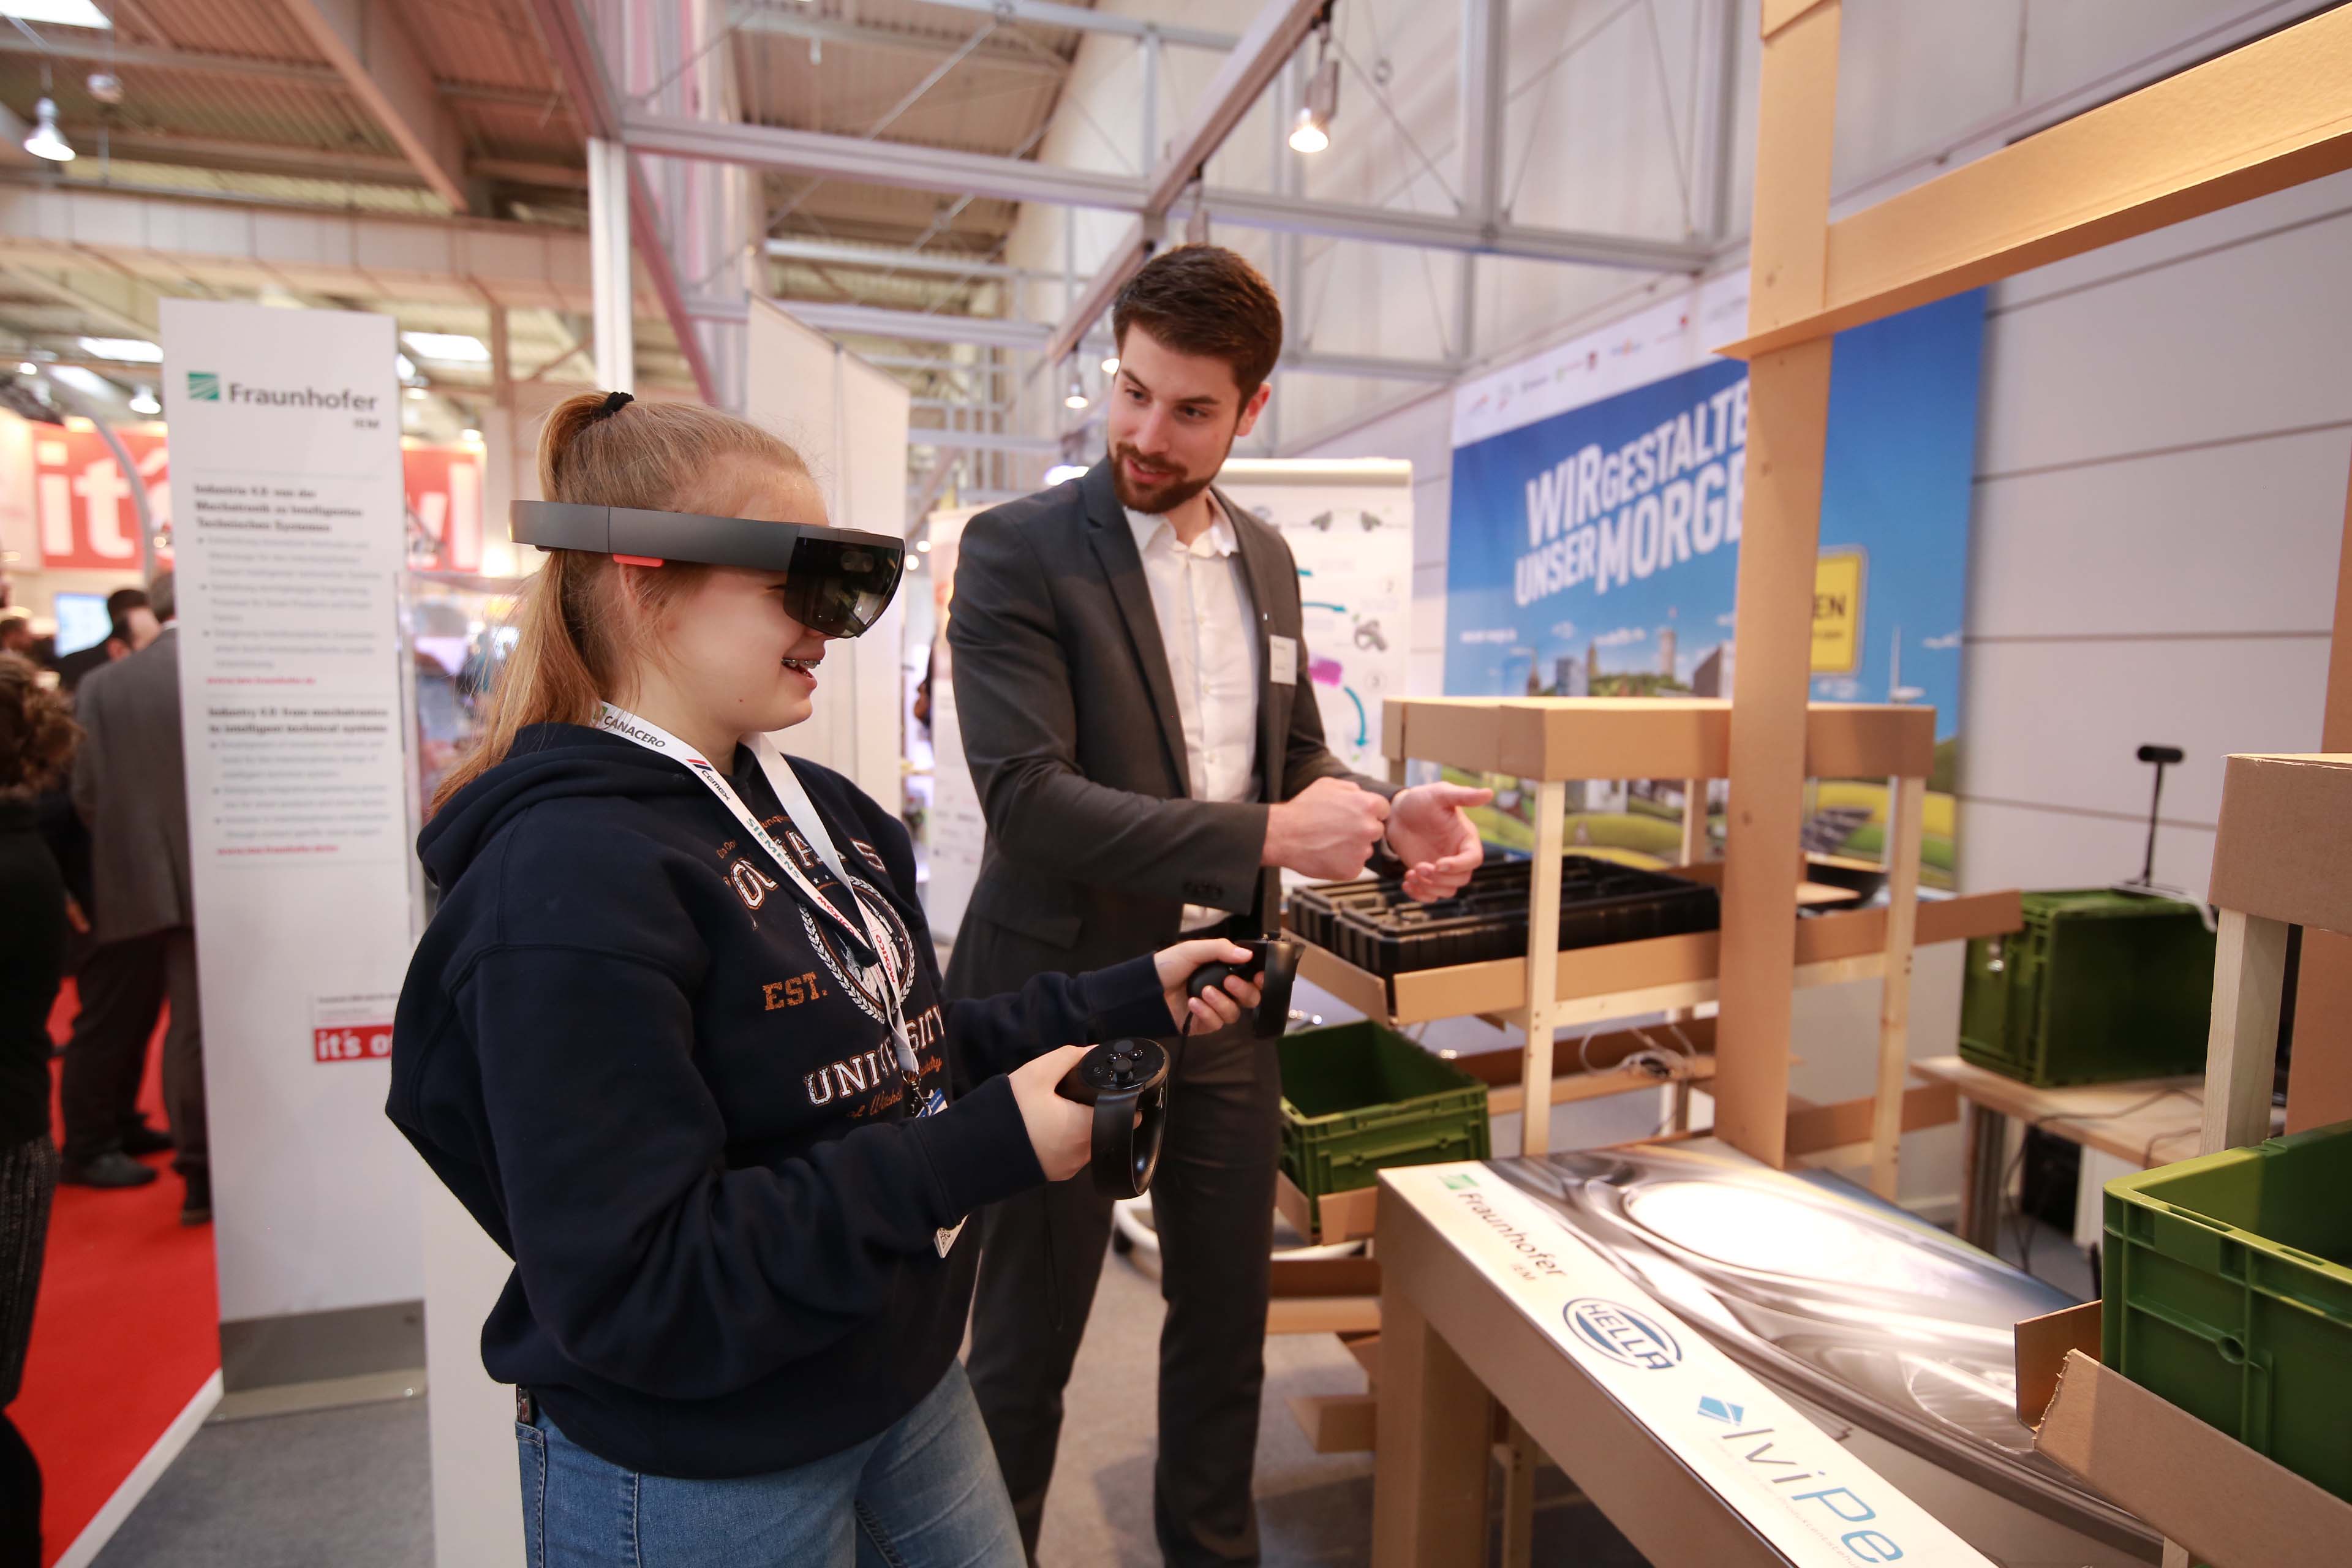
[1624,1335]
[1721,1410]
[203,386]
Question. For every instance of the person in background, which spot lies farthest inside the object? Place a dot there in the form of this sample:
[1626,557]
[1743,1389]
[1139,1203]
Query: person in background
[16,634]
[131,625]
[1128,660]
[130,784]
[37,742]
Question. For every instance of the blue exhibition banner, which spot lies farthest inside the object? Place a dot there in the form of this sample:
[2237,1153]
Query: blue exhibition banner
[1595,551]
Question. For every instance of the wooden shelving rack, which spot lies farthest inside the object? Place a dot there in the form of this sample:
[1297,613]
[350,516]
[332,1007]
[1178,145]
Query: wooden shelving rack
[1551,742]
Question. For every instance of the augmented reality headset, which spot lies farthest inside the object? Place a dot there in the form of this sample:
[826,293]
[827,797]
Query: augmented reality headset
[838,580]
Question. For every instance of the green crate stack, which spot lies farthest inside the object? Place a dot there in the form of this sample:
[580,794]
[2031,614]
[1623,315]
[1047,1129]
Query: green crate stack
[1355,1096]
[2100,985]
[2229,1291]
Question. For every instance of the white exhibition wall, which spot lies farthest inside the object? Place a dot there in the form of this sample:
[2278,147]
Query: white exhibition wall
[848,421]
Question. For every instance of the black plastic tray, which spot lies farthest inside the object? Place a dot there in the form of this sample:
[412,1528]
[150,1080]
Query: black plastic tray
[1371,924]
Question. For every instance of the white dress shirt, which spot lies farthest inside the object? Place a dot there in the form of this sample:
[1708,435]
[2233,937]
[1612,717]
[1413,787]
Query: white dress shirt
[1199,593]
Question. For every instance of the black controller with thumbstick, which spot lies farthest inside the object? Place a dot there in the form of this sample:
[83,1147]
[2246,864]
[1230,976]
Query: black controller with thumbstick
[1126,1083]
[1274,966]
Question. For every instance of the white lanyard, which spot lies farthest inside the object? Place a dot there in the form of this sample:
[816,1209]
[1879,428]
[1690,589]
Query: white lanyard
[801,815]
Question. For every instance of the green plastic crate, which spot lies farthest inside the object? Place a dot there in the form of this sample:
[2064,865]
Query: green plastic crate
[2099,985]
[1355,1096]
[2229,1292]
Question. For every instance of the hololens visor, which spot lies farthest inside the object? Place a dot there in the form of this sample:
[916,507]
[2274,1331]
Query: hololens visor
[838,580]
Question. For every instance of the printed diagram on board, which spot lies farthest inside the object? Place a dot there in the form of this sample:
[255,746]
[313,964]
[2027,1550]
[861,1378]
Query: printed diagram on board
[1355,584]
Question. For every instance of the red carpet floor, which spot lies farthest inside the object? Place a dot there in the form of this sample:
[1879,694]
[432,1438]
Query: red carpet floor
[125,1333]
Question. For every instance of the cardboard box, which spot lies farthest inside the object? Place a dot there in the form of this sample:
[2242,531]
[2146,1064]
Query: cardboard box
[2279,850]
[2227,1505]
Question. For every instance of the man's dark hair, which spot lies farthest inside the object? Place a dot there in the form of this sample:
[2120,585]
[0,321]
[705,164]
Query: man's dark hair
[119,605]
[1204,299]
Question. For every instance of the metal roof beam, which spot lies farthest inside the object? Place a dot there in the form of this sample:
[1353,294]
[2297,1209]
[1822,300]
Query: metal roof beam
[1439,231]
[878,322]
[903,164]
[982,441]
[800,22]
[1046,13]
[822,253]
[383,66]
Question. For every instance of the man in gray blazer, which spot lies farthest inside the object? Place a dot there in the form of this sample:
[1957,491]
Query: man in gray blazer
[1130,675]
[130,784]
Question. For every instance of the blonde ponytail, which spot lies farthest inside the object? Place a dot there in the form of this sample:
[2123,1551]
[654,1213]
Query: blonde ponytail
[599,449]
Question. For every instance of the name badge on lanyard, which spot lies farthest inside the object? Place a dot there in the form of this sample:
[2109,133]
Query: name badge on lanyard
[869,937]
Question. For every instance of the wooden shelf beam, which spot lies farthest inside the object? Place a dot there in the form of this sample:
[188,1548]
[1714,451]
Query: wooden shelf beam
[2271,114]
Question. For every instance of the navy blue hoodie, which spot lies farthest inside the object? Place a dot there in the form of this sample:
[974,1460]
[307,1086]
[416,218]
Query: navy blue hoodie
[649,1072]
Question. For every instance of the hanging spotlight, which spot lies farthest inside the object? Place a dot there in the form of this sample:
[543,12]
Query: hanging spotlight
[143,402]
[43,140]
[1311,132]
[1077,397]
[106,86]
[1111,364]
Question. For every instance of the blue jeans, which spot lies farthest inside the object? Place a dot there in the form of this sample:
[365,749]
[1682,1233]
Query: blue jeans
[926,1493]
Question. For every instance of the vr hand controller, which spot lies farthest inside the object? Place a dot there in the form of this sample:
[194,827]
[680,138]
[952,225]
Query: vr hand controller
[1274,966]
[1126,1083]
[1127,1080]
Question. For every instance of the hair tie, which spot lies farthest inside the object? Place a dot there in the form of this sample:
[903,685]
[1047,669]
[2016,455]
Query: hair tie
[614,402]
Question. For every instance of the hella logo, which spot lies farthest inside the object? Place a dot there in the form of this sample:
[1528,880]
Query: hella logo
[1624,1335]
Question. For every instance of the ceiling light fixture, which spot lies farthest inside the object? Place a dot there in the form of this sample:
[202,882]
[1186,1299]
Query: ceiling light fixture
[471,437]
[26,367]
[1077,397]
[143,402]
[62,13]
[448,348]
[1111,364]
[129,351]
[1311,132]
[43,140]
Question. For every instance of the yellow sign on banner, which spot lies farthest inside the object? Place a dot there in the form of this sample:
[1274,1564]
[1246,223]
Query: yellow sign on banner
[1837,611]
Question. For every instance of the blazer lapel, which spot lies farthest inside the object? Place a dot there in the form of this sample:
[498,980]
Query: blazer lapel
[1267,563]
[1122,564]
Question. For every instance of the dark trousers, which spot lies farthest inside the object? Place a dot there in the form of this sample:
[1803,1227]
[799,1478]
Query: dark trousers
[28,1180]
[123,987]
[1212,1202]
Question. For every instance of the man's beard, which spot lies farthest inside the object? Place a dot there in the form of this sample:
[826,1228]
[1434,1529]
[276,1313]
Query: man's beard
[1162,495]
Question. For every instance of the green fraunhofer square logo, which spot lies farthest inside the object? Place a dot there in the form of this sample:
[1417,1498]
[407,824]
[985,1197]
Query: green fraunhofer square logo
[203,386]
[1459,1182]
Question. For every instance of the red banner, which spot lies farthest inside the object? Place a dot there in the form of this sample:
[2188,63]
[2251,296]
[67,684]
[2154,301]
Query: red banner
[86,518]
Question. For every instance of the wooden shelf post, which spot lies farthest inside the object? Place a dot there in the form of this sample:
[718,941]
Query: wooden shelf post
[1788,423]
[1543,966]
[1906,804]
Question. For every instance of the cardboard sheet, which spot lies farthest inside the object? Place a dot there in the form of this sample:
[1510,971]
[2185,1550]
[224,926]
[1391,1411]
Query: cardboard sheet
[1817,1504]
[2277,813]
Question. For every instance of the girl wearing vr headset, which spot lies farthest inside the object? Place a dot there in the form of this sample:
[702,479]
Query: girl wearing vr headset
[675,1038]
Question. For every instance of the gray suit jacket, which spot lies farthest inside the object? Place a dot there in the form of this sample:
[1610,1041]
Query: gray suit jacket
[131,784]
[1077,746]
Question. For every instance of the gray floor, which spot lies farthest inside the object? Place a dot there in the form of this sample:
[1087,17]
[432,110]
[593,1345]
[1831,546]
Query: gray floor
[348,1487]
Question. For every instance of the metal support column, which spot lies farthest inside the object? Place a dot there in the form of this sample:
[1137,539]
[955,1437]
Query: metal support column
[1486,38]
[608,264]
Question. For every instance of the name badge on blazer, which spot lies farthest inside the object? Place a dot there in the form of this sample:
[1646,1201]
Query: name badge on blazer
[1282,660]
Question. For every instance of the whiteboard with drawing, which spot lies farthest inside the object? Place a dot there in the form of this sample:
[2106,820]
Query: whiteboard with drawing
[1349,524]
